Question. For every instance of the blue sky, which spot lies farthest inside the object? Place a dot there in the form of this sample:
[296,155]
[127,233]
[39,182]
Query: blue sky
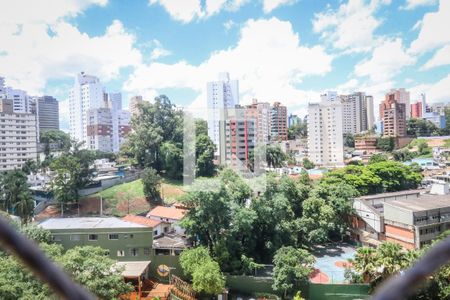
[284,50]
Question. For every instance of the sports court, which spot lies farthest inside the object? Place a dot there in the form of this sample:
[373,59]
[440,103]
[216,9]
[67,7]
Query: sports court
[331,261]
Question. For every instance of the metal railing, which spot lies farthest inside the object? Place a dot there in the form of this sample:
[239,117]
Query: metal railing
[30,254]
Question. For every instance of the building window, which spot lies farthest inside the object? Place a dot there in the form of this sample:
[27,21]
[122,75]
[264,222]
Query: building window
[134,252]
[147,251]
[75,237]
[120,253]
[114,236]
[93,237]
[56,238]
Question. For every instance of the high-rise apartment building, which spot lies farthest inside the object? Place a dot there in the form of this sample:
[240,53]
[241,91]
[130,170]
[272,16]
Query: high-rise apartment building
[416,110]
[47,109]
[239,137]
[393,115]
[221,95]
[278,122]
[18,140]
[133,106]
[325,140]
[401,96]
[87,93]
[261,113]
[97,118]
[22,103]
[357,113]
[293,120]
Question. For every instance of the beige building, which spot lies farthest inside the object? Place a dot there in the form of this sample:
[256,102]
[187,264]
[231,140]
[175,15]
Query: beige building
[18,139]
[260,113]
[393,115]
[133,106]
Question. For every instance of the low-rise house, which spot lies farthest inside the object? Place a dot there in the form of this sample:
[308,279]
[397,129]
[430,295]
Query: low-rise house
[125,241]
[410,218]
[170,216]
[156,225]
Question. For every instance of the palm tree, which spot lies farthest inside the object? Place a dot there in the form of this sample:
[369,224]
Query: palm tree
[365,263]
[16,196]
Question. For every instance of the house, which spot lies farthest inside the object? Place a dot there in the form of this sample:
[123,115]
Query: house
[156,225]
[125,241]
[170,216]
[410,218]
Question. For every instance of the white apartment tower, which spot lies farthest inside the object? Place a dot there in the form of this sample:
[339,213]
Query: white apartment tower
[221,95]
[325,129]
[357,113]
[87,93]
[18,141]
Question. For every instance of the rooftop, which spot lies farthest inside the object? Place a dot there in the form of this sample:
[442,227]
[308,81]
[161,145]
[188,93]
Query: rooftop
[170,241]
[87,223]
[132,269]
[424,202]
[392,194]
[167,212]
[141,220]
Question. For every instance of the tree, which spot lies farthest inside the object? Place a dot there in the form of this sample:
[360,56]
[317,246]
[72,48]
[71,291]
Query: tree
[172,158]
[349,140]
[275,156]
[378,157]
[421,127]
[298,131]
[157,123]
[91,267]
[204,150]
[386,143]
[30,166]
[55,138]
[15,195]
[292,268]
[152,186]
[204,271]
[307,164]
[73,172]
[317,221]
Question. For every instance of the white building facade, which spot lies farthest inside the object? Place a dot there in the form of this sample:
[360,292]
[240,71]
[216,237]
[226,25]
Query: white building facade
[357,113]
[18,140]
[325,129]
[221,95]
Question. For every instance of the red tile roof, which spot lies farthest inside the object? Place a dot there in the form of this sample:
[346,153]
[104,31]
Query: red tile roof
[167,212]
[141,220]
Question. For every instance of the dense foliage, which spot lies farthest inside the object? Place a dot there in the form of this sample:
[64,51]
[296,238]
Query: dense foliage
[15,195]
[377,177]
[204,271]
[89,266]
[152,184]
[157,140]
[421,127]
[292,268]
[298,131]
[386,143]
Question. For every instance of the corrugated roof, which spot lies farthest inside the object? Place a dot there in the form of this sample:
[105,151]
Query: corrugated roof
[141,220]
[133,269]
[87,223]
[424,202]
[167,212]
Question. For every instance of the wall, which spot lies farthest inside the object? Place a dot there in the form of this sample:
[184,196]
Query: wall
[142,238]
[338,291]
[173,262]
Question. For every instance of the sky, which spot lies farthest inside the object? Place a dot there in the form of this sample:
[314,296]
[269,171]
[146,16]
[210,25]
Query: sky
[280,50]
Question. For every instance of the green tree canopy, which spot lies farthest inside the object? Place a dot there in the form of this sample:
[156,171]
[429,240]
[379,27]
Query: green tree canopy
[152,186]
[15,195]
[292,268]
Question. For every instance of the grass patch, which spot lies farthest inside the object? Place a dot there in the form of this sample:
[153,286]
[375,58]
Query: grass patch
[121,198]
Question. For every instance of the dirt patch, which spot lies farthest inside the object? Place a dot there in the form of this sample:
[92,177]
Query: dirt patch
[135,206]
[49,212]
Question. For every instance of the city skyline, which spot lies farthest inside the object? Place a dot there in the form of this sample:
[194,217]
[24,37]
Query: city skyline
[293,51]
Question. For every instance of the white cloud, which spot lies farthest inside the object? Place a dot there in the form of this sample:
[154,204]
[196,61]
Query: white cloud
[181,10]
[412,4]
[188,10]
[268,60]
[387,60]
[42,11]
[269,5]
[351,27]
[434,31]
[39,52]
[436,92]
[228,25]
[158,50]
[440,58]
